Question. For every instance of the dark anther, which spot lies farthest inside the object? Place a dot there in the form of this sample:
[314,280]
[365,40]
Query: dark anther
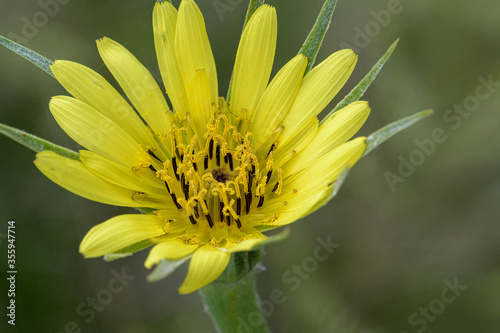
[211,148]
[250,182]
[225,159]
[185,187]
[248,201]
[261,202]
[269,173]
[228,220]
[174,166]
[152,168]
[253,169]
[150,152]
[205,162]
[174,199]
[221,212]
[238,223]
[238,206]
[230,159]
[196,212]
[195,166]
[209,219]
[270,150]
[192,219]
[276,186]
[217,155]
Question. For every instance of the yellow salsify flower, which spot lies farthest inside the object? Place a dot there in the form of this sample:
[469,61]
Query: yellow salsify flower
[216,174]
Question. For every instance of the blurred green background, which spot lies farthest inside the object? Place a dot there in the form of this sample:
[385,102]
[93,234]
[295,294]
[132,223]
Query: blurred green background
[399,243]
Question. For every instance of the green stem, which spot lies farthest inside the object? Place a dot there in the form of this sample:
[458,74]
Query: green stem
[232,301]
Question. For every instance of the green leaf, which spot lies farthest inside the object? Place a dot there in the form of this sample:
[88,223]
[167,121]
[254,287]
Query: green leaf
[165,268]
[376,139]
[363,85]
[28,54]
[313,42]
[35,143]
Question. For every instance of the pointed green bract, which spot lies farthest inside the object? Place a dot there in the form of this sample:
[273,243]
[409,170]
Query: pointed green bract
[376,139]
[37,59]
[363,85]
[313,42]
[35,143]
[165,268]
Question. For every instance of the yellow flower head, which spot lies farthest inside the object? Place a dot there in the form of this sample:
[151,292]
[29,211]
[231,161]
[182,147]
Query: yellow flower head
[216,174]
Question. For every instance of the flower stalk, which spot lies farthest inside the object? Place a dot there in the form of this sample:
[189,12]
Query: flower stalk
[232,300]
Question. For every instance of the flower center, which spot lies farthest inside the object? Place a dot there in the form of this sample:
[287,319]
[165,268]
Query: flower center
[218,178]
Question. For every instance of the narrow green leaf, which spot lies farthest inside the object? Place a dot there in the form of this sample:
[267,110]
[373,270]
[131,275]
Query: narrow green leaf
[376,139]
[164,269]
[313,42]
[363,85]
[37,59]
[35,143]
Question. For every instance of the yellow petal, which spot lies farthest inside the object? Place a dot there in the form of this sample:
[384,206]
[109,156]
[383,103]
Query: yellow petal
[75,177]
[339,128]
[245,245]
[319,87]
[94,131]
[200,102]
[119,232]
[206,266]
[192,47]
[321,173]
[277,99]
[164,22]
[92,89]
[136,81]
[142,180]
[293,144]
[172,249]
[254,60]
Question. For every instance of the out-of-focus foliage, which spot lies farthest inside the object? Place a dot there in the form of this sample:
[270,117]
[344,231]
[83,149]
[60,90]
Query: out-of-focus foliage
[396,244]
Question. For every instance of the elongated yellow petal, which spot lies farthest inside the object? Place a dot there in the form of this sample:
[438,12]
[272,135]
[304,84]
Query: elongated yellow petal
[94,131]
[339,128]
[164,22]
[75,177]
[192,47]
[200,102]
[119,232]
[206,265]
[136,81]
[245,245]
[321,173]
[319,87]
[295,143]
[141,180]
[91,88]
[172,249]
[254,61]
[277,99]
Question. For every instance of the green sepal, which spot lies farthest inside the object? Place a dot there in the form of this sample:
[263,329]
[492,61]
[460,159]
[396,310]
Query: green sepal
[165,268]
[30,55]
[35,143]
[145,210]
[313,42]
[363,85]
[377,138]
